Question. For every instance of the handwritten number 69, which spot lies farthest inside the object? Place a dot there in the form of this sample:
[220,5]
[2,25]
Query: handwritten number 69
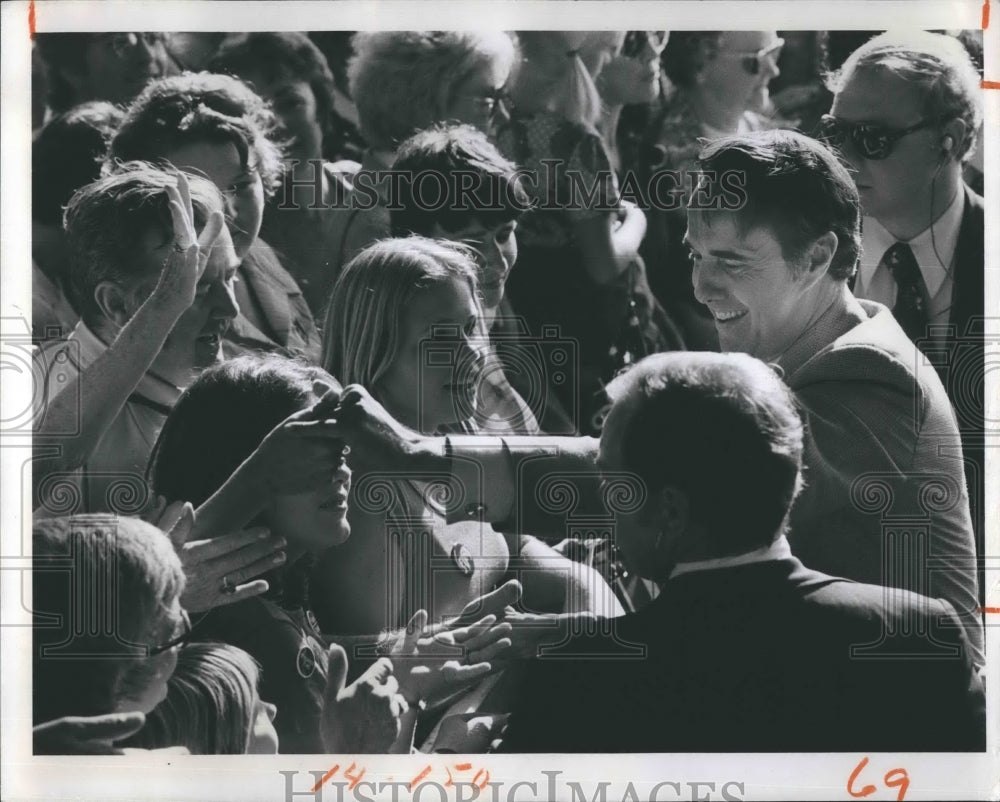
[894,778]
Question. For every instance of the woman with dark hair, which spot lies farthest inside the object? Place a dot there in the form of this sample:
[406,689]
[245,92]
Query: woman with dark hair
[215,126]
[224,421]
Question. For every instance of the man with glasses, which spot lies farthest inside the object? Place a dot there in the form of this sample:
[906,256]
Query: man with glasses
[906,115]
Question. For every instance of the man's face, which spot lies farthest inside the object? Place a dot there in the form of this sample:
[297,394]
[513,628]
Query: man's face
[195,342]
[240,185]
[733,78]
[759,305]
[118,65]
[496,253]
[294,104]
[901,182]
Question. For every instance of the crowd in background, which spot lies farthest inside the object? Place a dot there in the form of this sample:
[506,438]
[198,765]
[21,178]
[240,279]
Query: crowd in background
[301,422]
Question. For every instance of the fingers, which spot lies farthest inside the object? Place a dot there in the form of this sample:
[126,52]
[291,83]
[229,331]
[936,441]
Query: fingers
[495,602]
[490,651]
[177,521]
[262,566]
[245,591]
[181,215]
[113,727]
[206,240]
[336,673]
[378,672]
[184,190]
[414,629]
[225,545]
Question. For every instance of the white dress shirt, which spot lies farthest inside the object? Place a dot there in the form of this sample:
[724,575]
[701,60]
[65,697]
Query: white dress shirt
[777,550]
[875,283]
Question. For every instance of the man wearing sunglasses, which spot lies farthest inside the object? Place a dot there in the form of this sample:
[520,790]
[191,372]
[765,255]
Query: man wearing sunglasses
[906,112]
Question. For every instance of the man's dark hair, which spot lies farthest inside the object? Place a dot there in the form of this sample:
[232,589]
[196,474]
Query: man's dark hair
[277,54]
[792,185]
[462,156]
[107,223]
[721,428]
[67,154]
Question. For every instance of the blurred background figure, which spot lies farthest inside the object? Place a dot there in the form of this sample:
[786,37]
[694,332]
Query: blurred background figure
[288,71]
[101,66]
[720,86]
[578,269]
[66,155]
[403,82]
[213,706]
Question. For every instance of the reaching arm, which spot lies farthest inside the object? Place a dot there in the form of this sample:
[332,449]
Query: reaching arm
[94,397]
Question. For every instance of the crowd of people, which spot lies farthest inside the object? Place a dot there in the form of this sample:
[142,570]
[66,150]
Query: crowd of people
[554,391]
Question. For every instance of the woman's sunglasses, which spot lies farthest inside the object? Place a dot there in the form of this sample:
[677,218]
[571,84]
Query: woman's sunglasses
[753,63]
[870,140]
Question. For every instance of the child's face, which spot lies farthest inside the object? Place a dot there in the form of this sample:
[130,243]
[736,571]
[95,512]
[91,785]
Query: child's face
[263,738]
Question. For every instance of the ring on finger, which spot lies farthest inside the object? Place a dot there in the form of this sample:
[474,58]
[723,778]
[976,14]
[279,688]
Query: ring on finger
[227,586]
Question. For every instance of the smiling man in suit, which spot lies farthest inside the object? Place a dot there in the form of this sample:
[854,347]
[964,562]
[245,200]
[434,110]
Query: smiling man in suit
[745,649]
[922,246]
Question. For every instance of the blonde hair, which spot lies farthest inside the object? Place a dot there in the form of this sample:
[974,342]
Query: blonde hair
[362,326]
[552,70]
[210,702]
[404,81]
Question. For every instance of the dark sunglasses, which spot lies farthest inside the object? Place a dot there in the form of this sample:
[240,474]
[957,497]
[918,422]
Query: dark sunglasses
[870,140]
[753,63]
[180,640]
[636,41]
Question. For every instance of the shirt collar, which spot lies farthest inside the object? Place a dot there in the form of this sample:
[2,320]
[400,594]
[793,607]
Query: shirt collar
[877,240]
[150,387]
[778,550]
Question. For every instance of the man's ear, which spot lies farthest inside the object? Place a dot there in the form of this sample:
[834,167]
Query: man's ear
[673,512]
[114,302]
[957,130]
[819,257]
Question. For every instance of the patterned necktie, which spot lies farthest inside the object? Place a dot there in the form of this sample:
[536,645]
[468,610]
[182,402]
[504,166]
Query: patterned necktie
[912,301]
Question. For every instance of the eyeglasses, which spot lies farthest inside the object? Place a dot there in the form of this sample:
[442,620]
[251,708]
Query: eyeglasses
[122,44]
[871,141]
[636,41]
[753,63]
[492,99]
[179,640]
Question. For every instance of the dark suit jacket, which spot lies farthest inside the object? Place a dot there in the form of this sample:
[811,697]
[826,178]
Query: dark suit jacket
[758,658]
[274,315]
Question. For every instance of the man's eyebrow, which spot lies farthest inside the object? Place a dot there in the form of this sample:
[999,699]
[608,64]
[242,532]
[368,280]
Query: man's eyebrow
[725,253]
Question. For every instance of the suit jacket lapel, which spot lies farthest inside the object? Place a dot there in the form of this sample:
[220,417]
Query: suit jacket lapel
[967,295]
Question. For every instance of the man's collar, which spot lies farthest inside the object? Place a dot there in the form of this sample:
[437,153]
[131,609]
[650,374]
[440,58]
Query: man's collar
[777,550]
[151,387]
[932,247]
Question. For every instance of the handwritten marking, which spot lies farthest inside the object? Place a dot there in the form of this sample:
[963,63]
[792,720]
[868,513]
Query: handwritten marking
[894,778]
[986,14]
[326,777]
[31,19]
[990,85]
[995,610]
[419,777]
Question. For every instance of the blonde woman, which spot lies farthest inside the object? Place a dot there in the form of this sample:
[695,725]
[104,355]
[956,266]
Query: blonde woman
[405,322]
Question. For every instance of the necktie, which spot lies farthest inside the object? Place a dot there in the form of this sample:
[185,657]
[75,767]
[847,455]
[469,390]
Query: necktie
[912,301]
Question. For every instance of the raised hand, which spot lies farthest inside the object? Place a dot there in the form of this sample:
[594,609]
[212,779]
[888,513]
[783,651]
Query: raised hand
[177,286]
[433,665]
[363,717]
[305,450]
[219,570]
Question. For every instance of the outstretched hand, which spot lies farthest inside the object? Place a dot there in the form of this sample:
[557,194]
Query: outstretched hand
[219,570]
[433,664]
[91,735]
[363,717]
